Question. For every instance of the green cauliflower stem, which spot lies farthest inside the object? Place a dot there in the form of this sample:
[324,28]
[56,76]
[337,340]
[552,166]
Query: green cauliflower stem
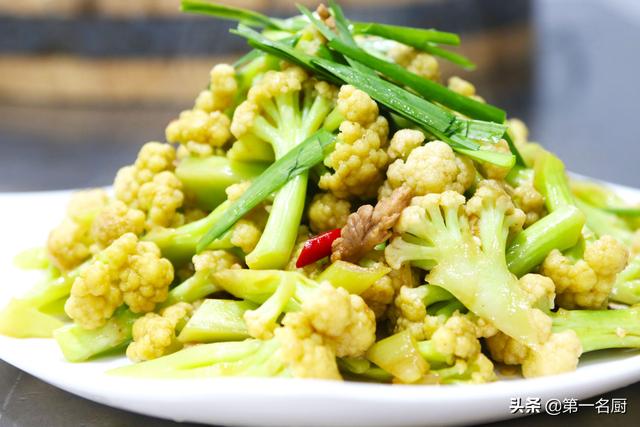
[283,109]
[601,329]
[207,178]
[26,316]
[626,288]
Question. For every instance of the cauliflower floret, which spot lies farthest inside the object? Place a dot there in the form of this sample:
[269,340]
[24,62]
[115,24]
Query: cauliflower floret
[379,295]
[404,142]
[425,65]
[461,86]
[221,92]
[161,198]
[432,168]
[234,191]
[410,305]
[126,271]
[345,322]
[359,158]
[216,261]
[385,190]
[151,186]
[540,289]
[356,105]
[328,212]
[410,313]
[271,85]
[587,282]
[153,158]
[505,349]
[200,132]
[420,63]
[491,171]
[69,244]
[457,337]
[154,335]
[305,351]
[489,190]
[115,220]
[245,235]
[246,232]
[527,198]
[559,354]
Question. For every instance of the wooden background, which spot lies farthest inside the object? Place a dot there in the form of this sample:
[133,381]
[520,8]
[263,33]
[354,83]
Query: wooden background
[88,52]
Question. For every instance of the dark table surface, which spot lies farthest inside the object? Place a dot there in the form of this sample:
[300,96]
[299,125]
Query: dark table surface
[582,104]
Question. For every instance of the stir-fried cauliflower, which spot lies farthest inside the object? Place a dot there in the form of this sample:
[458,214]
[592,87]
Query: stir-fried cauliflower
[246,233]
[345,322]
[381,294]
[490,190]
[154,335]
[461,86]
[200,132]
[527,198]
[359,158]
[491,171]
[221,92]
[151,186]
[404,142]
[586,283]
[540,290]
[127,271]
[115,220]
[560,353]
[305,351]
[205,129]
[410,313]
[420,63]
[432,168]
[457,337]
[69,244]
[161,198]
[216,261]
[327,212]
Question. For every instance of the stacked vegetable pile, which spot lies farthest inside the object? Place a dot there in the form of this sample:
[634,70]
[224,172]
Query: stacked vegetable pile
[328,209]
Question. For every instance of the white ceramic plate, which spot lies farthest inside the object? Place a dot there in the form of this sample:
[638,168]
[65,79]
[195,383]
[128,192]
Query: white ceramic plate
[25,219]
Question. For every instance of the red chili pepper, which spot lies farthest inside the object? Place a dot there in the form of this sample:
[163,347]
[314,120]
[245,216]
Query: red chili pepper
[317,247]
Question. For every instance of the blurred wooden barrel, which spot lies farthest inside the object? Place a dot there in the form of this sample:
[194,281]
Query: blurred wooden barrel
[144,52]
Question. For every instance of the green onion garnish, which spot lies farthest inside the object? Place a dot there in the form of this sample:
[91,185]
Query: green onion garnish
[297,161]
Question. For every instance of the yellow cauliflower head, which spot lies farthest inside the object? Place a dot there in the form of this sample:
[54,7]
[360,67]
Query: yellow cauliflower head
[305,352]
[222,89]
[200,132]
[154,335]
[359,158]
[586,283]
[327,212]
[69,244]
[457,337]
[126,271]
[404,142]
[345,322]
[432,168]
[115,220]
